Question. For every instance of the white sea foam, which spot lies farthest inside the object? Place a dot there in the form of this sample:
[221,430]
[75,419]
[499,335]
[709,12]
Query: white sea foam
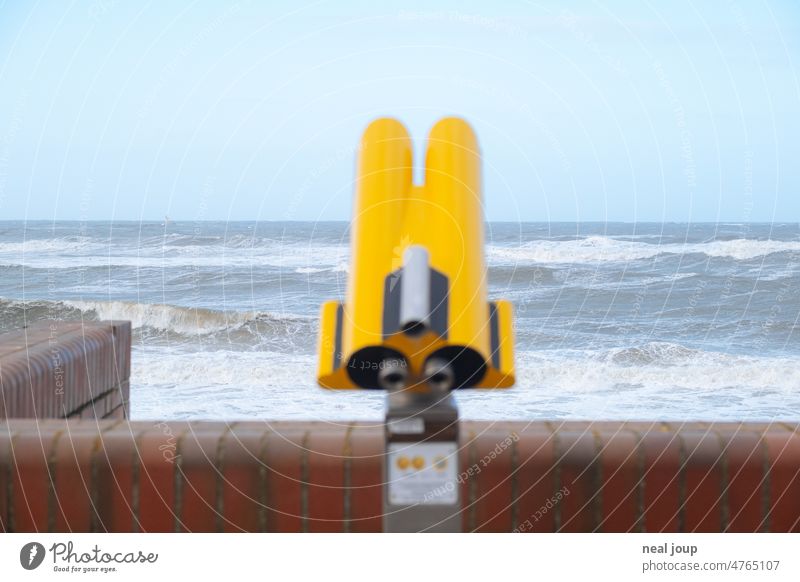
[657,365]
[291,257]
[606,249]
[51,245]
[233,385]
[744,249]
[340,268]
[621,384]
[652,381]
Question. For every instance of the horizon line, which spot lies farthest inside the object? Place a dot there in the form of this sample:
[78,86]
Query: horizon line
[340,221]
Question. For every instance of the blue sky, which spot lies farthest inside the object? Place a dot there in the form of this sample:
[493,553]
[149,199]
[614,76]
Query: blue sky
[632,111]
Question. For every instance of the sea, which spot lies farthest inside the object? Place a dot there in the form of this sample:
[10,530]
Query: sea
[617,321]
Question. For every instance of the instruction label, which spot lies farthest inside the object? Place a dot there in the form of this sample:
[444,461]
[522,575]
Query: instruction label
[422,473]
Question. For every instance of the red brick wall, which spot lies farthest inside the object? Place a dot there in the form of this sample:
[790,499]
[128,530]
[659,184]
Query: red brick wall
[58,369]
[90,475]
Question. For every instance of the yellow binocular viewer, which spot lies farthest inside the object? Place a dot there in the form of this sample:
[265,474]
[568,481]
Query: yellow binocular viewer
[416,311]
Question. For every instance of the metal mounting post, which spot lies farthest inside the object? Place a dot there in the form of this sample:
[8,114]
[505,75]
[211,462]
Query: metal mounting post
[421,490]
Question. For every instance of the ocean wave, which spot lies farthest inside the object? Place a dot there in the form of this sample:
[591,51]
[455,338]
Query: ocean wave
[651,354]
[150,317]
[176,251]
[191,243]
[70,244]
[183,320]
[330,257]
[198,239]
[744,249]
[606,249]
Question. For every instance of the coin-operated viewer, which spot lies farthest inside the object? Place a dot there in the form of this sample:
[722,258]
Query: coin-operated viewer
[416,310]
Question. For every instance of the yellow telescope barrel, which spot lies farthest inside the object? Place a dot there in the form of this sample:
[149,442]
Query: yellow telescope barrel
[416,308]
